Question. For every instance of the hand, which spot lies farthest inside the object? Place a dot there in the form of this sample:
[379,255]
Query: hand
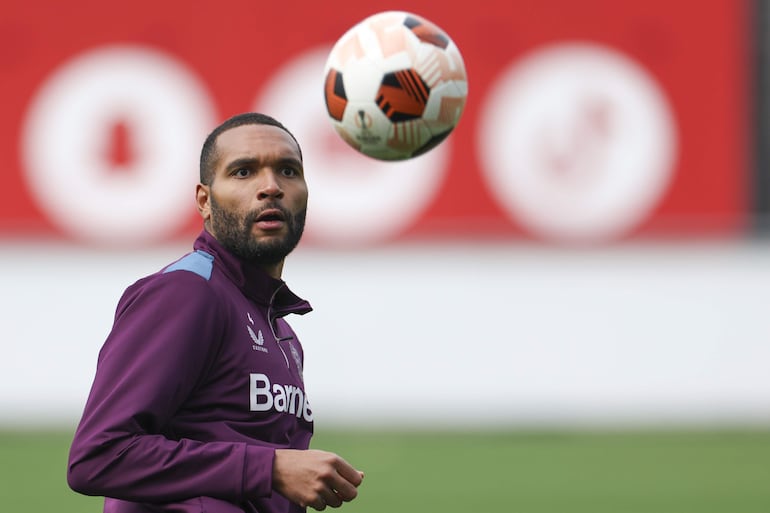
[315,478]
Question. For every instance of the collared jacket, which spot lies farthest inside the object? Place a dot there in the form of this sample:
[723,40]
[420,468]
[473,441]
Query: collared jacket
[196,385]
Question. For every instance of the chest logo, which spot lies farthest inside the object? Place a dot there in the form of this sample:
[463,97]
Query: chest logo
[257,338]
[297,358]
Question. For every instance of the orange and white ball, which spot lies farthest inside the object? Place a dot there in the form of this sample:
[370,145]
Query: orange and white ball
[395,86]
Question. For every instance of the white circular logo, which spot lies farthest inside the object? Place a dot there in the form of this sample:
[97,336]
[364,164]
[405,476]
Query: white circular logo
[165,113]
[577,142]
[354,199]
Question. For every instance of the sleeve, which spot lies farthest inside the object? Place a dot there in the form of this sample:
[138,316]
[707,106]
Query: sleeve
[165,333]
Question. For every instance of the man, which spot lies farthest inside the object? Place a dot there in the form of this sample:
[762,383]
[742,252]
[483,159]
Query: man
[198,403]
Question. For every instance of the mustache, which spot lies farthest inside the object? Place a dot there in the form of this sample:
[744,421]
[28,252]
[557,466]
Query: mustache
[252,216]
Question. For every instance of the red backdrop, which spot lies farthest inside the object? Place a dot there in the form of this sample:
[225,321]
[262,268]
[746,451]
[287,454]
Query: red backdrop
[695,51]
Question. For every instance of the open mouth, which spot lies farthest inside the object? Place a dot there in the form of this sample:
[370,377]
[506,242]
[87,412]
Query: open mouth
[270,219]
[271,214]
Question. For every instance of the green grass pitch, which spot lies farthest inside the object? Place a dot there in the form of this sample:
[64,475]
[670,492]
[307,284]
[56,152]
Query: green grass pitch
[480,472]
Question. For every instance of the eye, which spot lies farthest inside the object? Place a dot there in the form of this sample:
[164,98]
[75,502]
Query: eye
[242,172]
[289,171]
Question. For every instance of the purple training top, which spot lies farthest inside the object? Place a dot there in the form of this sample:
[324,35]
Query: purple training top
[198,383]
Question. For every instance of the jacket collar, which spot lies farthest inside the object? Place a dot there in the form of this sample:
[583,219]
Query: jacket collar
[252,280]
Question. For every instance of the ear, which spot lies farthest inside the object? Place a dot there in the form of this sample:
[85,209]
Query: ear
[203,201]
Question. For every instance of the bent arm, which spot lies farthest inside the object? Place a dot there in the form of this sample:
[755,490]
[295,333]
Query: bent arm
[164,336]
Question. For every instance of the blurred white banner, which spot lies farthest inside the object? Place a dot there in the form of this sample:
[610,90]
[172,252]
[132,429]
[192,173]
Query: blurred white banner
[446,335]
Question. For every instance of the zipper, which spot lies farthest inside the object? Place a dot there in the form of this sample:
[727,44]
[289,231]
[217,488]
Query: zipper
[270,320]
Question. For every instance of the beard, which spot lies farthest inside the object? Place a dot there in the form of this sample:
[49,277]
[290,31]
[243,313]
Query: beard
[235,234]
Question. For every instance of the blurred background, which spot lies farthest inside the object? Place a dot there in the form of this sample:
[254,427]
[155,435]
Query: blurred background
[561,308]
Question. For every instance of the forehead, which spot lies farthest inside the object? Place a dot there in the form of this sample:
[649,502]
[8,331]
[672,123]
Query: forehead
[263,141]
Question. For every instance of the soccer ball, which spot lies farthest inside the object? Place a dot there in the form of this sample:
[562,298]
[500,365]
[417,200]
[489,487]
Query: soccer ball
[395,86]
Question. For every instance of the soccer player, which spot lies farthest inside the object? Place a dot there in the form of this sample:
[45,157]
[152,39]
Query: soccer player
[198,403]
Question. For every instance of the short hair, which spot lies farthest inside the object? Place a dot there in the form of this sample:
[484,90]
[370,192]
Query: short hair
[209,152]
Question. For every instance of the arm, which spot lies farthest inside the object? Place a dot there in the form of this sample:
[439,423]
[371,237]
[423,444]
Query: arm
[165,334]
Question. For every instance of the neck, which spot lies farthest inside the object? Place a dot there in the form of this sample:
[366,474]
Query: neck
[274,270]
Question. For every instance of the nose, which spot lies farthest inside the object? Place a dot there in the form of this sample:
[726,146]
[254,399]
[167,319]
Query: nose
[269,186]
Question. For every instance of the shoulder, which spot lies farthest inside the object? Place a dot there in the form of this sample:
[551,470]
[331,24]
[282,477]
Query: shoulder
[187,281]
[198,262]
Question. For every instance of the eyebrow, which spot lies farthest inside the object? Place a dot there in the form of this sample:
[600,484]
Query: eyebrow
[252,162]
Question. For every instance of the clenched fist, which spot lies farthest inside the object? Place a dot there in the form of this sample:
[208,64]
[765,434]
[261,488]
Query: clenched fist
[315,478]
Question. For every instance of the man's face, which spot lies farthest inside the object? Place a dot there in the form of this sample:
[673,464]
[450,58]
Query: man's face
[255,205]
